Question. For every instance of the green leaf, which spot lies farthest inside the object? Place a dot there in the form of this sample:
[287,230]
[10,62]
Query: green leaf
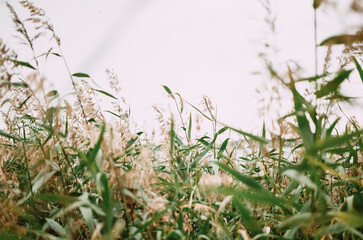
[190,126]
[7,145]
[25,64]
[105,93]
[312,79]
[331,128]
[47,54]
[44,235]
[167,90]
[359,68]
[342,39]
[172,138]
[116,115]
[356,232]
[253,137]
[53,93]
[301,178]
[131,195]
[333,85]
[131,142]
[56,54]
[15,84]
[223,147]
[199,156]
[252,183]
[335,228]
[92,153]
[22,104]
[145,225]
[88,217]
[7,135]
[358,202]
[222,130]
[290,233]
[303,123]
[296,220]
[334,141]
[351,220]
[42,177]
[252,196]
[249,222]
[304,219]
[264,136]
[56,227]
[289,188]
[175,234]
[107,204]
[81,75]
[209,110]
[198,111]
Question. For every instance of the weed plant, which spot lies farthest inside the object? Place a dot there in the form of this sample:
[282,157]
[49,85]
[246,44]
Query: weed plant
[69,172]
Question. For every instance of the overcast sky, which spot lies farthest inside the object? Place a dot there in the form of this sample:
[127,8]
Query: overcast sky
[196,47]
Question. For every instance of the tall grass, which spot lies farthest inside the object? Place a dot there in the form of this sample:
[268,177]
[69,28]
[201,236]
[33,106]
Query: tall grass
[69,172]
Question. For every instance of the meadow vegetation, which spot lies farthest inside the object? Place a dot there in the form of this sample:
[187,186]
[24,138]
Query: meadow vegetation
[72,170]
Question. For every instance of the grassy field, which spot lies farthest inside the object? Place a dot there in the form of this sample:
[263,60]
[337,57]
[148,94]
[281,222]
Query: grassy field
[72,170]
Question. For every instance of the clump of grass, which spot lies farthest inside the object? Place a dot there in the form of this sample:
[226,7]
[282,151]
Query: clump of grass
[68,172]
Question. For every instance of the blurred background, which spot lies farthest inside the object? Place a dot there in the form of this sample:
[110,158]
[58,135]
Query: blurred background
[195,47]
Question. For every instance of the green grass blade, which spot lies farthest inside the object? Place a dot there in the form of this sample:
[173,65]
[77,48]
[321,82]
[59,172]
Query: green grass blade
[223,148]
[7,135]
[251,136]
[249,181]
[332,86]
[249,222]
[331,128]
[252,196]
[153,219]
[190,127]
[91,155]
[107,204]
[81,75]
[303,123]
[56,227]
[335,141]
[15,84]
[116,115]
[167,90]
[359,68]
[105,93]
[24,64]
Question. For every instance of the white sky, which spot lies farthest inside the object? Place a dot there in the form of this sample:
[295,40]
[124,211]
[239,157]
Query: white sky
[196,47]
